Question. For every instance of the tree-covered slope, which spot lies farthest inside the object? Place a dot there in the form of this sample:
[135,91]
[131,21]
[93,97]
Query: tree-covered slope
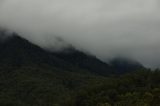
[32,76]
[17,51]
[47,86]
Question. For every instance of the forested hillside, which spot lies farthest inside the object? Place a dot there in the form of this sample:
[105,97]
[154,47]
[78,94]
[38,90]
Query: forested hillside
[32,76]
[46,86]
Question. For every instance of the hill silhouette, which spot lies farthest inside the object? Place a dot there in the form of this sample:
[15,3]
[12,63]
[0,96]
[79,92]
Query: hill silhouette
[33,76]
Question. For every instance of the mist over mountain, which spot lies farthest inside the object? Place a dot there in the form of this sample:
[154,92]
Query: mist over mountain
[79,53]
[16,51]
[31,75]
[104,28]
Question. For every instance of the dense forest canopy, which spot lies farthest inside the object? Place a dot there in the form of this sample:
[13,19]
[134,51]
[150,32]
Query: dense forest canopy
[32,76]
[79,53]
[46,86]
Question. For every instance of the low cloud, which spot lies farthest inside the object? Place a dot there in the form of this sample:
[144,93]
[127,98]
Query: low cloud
[105,28]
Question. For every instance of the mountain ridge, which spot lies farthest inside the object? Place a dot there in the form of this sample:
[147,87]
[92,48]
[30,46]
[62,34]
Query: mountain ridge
[18,51]
[33,76]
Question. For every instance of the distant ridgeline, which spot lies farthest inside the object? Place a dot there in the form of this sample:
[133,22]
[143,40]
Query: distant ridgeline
[18,52]
[33,76]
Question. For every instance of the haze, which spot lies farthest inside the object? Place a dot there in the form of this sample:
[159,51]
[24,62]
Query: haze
[105,28]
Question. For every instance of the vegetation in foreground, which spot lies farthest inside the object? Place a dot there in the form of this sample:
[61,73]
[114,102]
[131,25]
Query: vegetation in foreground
[45,86]
[32,76]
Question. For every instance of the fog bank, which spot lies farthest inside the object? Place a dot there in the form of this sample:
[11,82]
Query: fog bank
[105,28]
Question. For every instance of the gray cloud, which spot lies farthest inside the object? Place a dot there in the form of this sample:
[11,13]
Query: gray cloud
[106,28]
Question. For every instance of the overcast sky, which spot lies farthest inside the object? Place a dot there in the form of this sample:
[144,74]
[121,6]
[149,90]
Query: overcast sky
[106,28]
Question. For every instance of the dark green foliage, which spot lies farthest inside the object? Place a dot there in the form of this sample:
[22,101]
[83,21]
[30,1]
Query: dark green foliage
[134,89]
[47,86]
[31,76]
[32,86]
